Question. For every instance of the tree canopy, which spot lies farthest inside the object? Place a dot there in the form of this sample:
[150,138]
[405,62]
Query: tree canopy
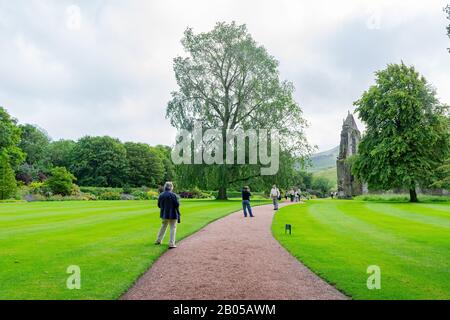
[99,162]
[145,167]
[33,142]
[228,81]
[10,134]
[58,153]
[407,131]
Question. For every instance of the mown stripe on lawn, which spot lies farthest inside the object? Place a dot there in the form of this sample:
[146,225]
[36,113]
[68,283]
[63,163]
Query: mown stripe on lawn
[410,240]
[335,243]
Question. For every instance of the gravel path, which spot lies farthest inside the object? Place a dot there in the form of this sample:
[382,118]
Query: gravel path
[231,258]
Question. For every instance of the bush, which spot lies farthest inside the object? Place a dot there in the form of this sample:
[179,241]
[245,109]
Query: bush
[56,197]
[35,197]
[110,196]
[61,181]
[322,185]
[153,195]
[127,189]
[198,194]
[88,196]
[195,193]
[22,192]
[317,194]
[36,187]
[186,195]
[125,196]
[97,191]
[141,195]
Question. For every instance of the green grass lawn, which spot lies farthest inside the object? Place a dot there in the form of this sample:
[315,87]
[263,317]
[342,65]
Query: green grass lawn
[111,242]
[339,239]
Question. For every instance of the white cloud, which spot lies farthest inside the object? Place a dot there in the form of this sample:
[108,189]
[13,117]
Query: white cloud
[110,71]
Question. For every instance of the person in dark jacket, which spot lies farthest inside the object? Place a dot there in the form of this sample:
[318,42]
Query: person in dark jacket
[169,213]
[246,201]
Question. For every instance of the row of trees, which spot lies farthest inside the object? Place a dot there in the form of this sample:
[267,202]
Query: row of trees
[28,154]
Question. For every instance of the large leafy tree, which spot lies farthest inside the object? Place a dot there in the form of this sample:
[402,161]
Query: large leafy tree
[145,167]
[7,179]
[407,131]
[99,162]
[33,142]
[228,81]
[10,138]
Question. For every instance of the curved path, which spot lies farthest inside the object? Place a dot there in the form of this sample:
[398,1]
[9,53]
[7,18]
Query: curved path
[231,258]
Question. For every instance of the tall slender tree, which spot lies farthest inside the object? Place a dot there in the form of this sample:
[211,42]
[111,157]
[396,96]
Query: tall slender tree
[7,179]
[228,81]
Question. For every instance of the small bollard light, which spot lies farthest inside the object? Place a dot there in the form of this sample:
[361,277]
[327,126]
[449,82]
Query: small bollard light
[287,228]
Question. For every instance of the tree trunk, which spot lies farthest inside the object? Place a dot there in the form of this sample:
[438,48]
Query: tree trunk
[223,170]
[413,195]
[223,184]
[222,195]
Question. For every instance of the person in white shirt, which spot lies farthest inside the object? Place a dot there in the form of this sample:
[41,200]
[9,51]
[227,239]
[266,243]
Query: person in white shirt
[297,195]
[275,195]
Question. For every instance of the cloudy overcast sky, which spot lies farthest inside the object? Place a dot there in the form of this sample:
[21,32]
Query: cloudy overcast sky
[99,67]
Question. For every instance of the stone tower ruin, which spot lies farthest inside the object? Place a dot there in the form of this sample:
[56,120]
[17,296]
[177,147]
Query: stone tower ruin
[348,186]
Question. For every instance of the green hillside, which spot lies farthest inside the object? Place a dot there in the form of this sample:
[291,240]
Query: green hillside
[324,160]
[323,164]
[330,174]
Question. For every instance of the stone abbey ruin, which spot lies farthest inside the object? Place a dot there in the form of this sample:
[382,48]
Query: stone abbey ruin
[348,186]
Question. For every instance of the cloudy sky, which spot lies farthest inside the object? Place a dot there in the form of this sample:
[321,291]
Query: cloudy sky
[105,67]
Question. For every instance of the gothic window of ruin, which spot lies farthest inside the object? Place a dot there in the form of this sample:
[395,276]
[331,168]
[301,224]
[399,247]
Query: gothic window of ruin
[353,144]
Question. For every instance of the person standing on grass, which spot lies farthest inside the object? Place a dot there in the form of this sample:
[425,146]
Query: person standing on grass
[246,201]
[275,195]
[169,213]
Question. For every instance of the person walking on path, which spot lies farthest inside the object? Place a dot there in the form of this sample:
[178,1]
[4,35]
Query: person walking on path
[291,195]
[169,213]
[275,195]
[246,201]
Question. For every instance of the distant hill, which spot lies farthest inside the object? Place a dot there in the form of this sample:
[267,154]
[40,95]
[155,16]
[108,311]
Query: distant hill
[330,174]
[324,160]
